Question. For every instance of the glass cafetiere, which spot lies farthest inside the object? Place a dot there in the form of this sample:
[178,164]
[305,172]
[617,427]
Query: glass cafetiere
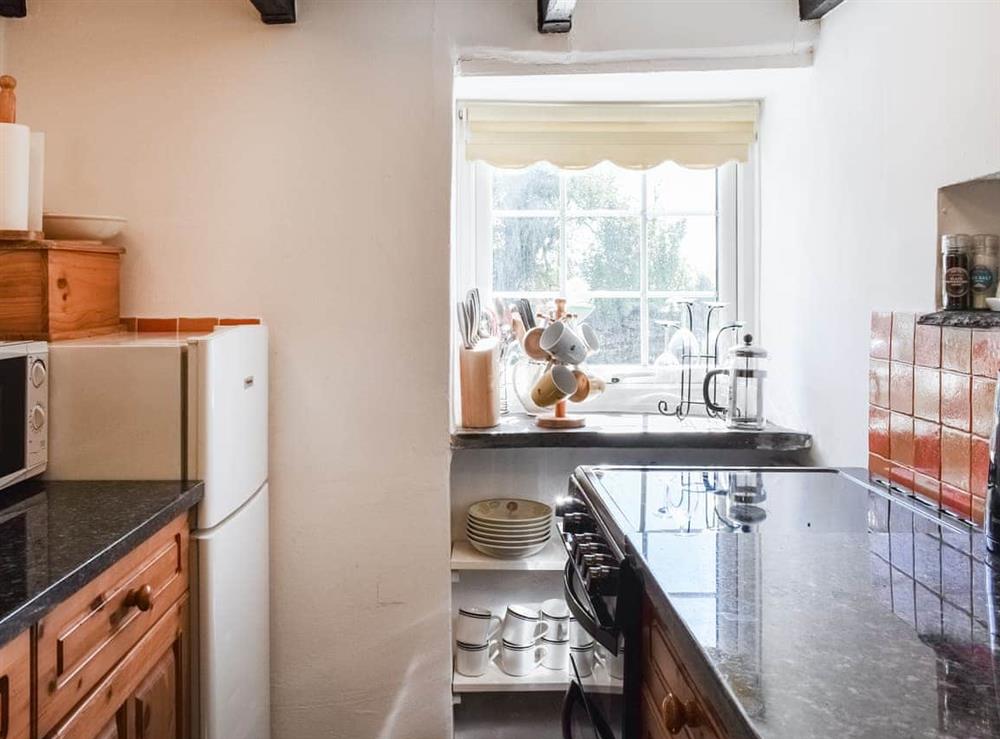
[746,370]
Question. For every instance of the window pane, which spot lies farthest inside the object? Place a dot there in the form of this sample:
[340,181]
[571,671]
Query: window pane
[602,252]
[616,321]
[525,254]
[604,187]
[661,309]
[682,253]
[532,188]
[676,189]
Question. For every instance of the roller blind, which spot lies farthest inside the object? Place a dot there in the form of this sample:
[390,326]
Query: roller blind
[636,136]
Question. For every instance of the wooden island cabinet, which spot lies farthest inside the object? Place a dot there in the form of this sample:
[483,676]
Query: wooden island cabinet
[111,660]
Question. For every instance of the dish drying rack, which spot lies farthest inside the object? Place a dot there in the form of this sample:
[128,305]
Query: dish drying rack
[689,360]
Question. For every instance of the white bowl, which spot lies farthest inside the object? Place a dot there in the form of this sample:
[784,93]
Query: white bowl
[509,528]
[62,226]
[512,536]
[498,542]
[510,511]
[507,552]
[993,303]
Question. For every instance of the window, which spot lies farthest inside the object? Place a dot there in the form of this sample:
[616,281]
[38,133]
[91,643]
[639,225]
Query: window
[624,244]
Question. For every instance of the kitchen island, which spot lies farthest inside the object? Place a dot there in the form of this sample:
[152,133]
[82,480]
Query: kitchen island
[794,603]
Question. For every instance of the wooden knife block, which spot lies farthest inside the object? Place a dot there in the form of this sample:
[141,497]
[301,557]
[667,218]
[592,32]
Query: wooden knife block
[51,290]
[478,375]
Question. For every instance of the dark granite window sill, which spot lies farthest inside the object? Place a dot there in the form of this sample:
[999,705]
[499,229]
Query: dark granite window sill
[962,319]
[631,431]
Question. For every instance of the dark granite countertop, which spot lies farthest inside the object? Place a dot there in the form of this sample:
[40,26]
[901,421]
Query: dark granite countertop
[630,430]
[828,608]
[56,536]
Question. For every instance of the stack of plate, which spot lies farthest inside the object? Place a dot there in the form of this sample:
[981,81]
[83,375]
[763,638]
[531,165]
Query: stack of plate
[509,528]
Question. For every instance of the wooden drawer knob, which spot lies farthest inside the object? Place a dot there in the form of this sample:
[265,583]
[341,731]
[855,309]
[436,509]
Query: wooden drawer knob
[141,598]
[673,713]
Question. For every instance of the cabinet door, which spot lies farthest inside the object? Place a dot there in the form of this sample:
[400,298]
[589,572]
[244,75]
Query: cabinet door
[116,728]
[15,688]
[156,702]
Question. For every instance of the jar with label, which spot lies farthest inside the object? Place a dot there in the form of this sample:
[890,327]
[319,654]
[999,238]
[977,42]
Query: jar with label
[983,272]
[955,271]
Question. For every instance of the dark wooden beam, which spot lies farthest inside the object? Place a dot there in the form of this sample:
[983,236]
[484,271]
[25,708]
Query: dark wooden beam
[13,8]
[811,10]
[276,11]
[555,16]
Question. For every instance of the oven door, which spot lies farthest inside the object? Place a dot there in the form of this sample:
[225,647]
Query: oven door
[13,413]
[589,713]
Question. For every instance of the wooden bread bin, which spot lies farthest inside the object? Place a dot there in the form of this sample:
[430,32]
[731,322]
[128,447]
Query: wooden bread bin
[51,290]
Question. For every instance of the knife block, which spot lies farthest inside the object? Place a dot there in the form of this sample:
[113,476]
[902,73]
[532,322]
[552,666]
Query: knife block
[478,377]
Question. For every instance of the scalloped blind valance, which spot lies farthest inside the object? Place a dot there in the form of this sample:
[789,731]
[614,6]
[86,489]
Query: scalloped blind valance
[631,135]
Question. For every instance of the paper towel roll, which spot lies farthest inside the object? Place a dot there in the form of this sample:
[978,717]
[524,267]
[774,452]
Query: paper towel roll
[15,147]
[36,180]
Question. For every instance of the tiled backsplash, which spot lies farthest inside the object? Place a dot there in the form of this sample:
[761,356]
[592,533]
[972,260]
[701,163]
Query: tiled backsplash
[182,323]
[930,409]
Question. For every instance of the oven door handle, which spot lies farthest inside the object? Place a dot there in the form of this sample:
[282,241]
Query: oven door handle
[576,695]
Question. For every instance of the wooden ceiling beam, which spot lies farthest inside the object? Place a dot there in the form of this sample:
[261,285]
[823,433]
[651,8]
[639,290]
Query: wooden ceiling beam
[275,11]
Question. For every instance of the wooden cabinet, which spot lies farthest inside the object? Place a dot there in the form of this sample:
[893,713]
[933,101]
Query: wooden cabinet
[111,660]
[671,705]
[15,688]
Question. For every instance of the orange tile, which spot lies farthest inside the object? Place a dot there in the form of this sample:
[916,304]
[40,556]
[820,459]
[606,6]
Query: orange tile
[901,387]
[927,346]
[239,321]
[926,448]
[979,467]
[128,324]
[956,349]
[955,451]
[927,393]
[158,325]
[926,487]
[986,353]
[901,348]
[956,401]
[978,510]
[983,397]
[881,333]
[901,439]
[196,324]
[957,501]
[878,383]
[901,476]
[878,431]
[878,466]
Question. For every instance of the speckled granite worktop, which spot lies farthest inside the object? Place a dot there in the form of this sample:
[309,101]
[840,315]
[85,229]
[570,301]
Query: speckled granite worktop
[56,536]
[827,608]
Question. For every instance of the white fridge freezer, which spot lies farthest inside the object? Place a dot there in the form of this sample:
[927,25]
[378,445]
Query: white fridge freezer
[195,407]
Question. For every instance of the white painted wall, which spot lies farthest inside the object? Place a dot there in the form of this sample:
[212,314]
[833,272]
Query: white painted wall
[302,173]
[900,101]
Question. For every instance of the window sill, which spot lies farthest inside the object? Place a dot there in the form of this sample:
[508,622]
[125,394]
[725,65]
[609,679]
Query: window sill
[632,431]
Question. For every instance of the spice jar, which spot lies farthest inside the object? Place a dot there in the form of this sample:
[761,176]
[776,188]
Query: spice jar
[983,272]
[955,271]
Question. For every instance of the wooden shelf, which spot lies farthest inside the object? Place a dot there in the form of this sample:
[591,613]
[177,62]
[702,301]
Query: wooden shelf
[553,557]
[541,680]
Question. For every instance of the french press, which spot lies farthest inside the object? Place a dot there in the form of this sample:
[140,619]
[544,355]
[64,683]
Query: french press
[746,370]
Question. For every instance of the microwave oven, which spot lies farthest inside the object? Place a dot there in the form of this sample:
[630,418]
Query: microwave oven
[24,400]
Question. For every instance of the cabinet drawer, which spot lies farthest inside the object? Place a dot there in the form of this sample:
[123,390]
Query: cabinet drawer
[99,714]
[87,634]
[15,688]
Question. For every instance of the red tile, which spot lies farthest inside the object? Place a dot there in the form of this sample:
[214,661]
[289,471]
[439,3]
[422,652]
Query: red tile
[957,501]
[878,466]
[881,334]
[927,448]
[878,383]
[978,510]
[979,467]
[901,476]
[129,324]
[196,324]
[156,325]
[878,431]
[927,393]
[983,397]
[955,451]
[927,488]
[986,353]
[901,387]
[927,346]
[956,349]
[239,321]
[901,439]
[901,348]
[956,401]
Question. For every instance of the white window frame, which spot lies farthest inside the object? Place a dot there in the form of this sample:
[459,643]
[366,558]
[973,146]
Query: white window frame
[737,274]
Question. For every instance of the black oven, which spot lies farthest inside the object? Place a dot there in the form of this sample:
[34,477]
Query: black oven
[603,590]
[23,410]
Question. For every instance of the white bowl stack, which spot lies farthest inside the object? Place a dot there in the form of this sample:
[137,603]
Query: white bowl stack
[509,528]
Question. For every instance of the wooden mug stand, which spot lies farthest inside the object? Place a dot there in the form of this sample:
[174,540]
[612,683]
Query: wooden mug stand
[560,420]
